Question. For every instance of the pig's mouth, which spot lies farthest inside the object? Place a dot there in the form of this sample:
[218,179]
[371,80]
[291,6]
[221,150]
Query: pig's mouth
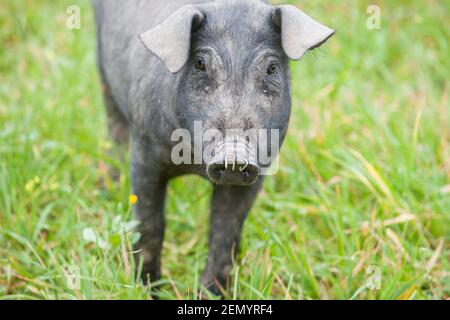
[234,163]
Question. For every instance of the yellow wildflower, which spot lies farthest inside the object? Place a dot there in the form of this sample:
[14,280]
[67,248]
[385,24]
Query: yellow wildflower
[53,186]
[29,186]
[133,199]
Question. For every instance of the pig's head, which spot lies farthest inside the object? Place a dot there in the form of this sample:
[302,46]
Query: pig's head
[233,61]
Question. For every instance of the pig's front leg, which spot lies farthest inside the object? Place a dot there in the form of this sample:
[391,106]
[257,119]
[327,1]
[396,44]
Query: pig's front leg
[230,206]
[149,186]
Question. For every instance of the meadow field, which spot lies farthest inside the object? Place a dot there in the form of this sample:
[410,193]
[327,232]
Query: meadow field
[360,208]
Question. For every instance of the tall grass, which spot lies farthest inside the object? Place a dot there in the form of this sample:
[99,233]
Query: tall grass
[363,193]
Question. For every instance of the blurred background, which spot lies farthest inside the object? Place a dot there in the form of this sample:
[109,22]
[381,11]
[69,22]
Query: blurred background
[359,210]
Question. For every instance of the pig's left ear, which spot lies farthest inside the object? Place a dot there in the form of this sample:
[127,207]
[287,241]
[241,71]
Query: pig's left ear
[171,39]
[299,32]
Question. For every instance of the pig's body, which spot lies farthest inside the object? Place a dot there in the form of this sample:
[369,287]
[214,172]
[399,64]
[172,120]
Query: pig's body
[166,64]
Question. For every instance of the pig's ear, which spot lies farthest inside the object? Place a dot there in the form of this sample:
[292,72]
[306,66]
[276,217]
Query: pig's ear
[299,32]
[171,39]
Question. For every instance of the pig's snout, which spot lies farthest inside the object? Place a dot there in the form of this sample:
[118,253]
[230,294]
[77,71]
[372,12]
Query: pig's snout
[234,163]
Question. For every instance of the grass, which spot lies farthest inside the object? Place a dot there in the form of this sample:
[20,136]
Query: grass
[363,191]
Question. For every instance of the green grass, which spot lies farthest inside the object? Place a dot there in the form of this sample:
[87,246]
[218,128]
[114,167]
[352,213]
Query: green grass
[364,186]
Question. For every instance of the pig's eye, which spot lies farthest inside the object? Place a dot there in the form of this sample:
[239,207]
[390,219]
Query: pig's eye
[200,64]
[272,68]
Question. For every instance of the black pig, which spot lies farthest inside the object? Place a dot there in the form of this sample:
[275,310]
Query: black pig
[225,64]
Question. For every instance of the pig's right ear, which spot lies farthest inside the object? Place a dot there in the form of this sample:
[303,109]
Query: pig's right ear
[171,39]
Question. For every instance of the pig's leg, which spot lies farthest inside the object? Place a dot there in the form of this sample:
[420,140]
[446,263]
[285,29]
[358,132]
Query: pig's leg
[230,206]
[150,188]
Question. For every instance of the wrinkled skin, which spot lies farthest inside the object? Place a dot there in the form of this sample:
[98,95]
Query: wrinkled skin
[236,77]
